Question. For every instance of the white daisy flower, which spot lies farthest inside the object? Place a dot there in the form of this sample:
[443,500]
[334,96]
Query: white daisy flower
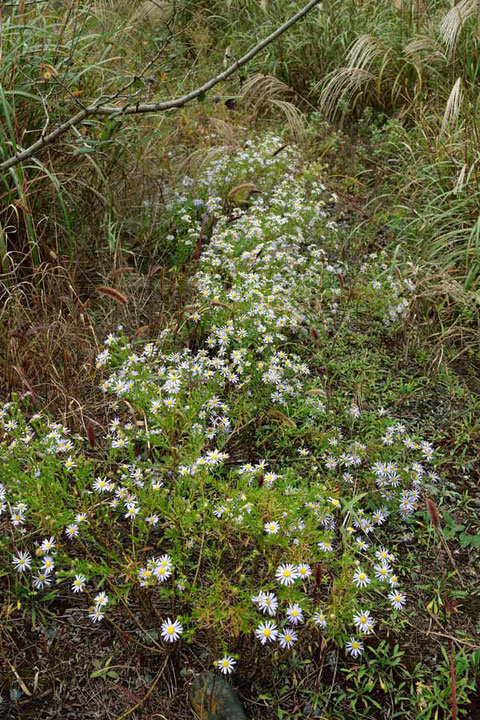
[286,574]
[266,632]
[226,665]
[363,621]
[361,579]
[320,619]
[295,614]
[272,528]
[398,600]
[354,647]
[78,583]
[171,631]
[287,638]
[22,562]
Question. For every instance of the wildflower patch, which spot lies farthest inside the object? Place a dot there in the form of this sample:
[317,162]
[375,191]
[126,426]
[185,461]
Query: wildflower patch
[233,492]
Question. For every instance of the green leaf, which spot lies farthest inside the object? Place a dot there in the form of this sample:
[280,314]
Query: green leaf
[469,540]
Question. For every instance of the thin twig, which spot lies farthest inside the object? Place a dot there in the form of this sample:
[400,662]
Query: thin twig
[458,640]
[147,695]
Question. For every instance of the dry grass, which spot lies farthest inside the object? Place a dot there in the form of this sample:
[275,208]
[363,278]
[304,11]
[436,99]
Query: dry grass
[64,683]
[453,106]
[447,313]
[455,20]
[343,88]
[425,48]
[52,323]
[228,137]
[263,93]
[152,11]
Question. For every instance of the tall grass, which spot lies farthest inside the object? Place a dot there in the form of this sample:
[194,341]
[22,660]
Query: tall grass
[411,67]
[416,64]
[55,58]
[43,76]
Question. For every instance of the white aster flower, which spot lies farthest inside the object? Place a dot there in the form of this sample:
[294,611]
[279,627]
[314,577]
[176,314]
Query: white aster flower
[286,574]
[287,638]
[266,632]
[354,647]
[226,665]
[78,583]
[397,600]
[295,614]
[171,631]
[272,528]
[361,579]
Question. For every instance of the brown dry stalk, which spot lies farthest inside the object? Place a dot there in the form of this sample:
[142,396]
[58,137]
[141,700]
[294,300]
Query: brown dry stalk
[453,683]
[456,640]
[90,434]
[283,418]
[217,303]
[122,271]
[243,186]
[114,294]
[433,512]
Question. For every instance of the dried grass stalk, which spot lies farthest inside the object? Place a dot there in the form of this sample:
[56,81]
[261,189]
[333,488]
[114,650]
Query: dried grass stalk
[114,294]
[455,20]
[453,106]
[262,92]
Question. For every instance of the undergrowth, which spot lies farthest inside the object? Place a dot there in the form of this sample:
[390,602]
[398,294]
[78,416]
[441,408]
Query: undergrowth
[241,497]
[238,370]
[399,80]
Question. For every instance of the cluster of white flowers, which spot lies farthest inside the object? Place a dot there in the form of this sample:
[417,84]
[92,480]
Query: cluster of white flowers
[268,275]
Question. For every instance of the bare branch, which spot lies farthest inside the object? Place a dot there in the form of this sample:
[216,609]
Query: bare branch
[133,109]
